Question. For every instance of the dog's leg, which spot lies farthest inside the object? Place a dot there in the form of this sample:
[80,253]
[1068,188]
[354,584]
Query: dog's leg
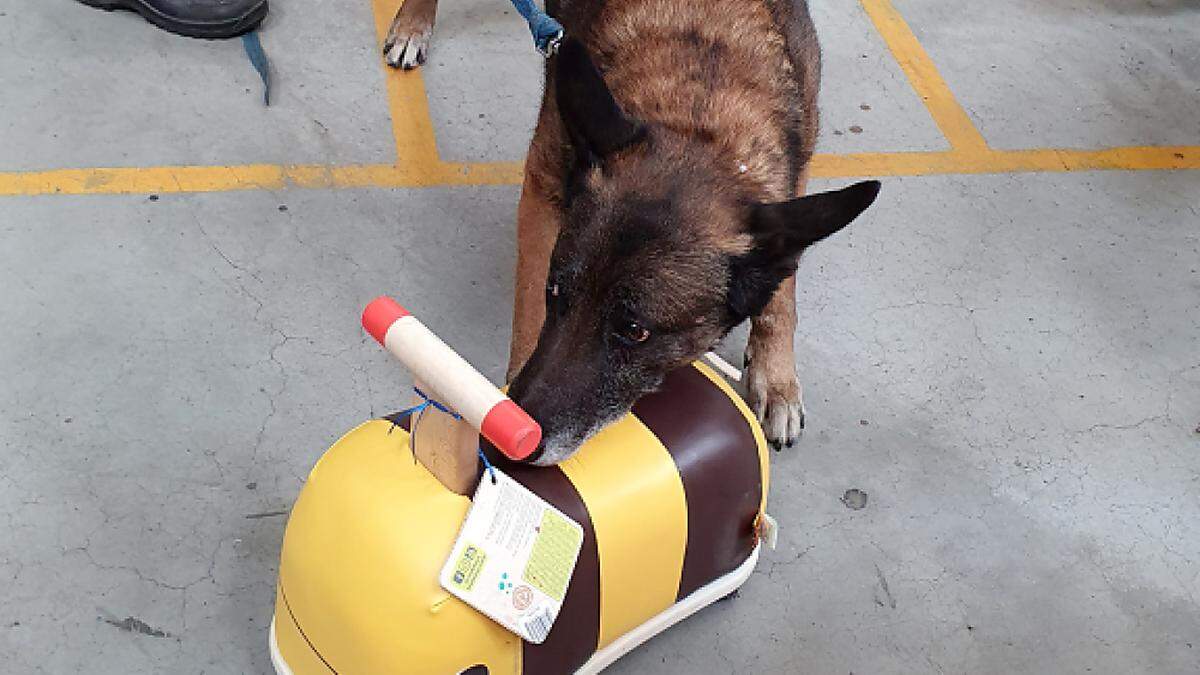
[408,40]
[772,387]
[537,230]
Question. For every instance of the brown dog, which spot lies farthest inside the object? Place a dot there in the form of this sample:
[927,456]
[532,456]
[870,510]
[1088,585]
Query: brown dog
[661,204]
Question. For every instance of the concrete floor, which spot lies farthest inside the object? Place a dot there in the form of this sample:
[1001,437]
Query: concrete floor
[1008,364]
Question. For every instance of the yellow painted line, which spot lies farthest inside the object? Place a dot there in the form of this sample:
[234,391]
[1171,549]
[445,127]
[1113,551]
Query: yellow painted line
[1040,160]
[169,179]
[488,173]
[166,179]
[418,163]
[157,179]
[949,116]
[412,125]
[1137,158]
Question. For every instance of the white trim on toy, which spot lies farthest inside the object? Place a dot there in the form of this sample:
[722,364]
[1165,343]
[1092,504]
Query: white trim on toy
[702,597]
[281,666]
[698,600]
[724,367]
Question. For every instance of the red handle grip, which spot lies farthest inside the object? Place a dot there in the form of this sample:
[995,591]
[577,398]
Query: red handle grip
[456,383]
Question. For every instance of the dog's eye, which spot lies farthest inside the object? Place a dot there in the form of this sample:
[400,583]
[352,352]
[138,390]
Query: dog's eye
[633,332]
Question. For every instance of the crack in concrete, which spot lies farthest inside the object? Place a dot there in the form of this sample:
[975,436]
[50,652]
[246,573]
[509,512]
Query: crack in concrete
[221,253]
[85,550]
[775,565]
[888,599]
[271,396]
[1121,427]
[265,514]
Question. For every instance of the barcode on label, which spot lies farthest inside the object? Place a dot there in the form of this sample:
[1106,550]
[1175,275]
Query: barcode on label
[537,627]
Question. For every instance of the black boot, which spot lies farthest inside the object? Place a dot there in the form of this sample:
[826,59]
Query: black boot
[195,18]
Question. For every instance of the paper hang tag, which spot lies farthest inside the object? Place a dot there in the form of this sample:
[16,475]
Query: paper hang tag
[514,557]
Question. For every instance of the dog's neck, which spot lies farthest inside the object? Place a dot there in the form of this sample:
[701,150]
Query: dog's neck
[727,83]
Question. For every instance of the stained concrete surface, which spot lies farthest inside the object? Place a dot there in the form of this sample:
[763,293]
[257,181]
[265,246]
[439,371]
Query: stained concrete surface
[1069,73]
[1008,365]
[83,88]
[484,83]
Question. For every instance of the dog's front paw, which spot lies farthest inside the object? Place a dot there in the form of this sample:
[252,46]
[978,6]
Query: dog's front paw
[774,394]
[407,41]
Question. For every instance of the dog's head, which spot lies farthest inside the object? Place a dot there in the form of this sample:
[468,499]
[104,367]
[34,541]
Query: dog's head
[659,257]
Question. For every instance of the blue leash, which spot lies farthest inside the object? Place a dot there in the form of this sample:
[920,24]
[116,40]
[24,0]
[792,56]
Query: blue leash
[258,59]
[547,33]
[419,410]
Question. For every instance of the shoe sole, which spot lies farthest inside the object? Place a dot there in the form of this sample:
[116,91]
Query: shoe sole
[199,29]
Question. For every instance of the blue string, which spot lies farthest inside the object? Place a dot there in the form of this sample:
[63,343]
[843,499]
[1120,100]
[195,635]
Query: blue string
[419,410]
[547,32]
[396,418]
[431,402]
[488,466]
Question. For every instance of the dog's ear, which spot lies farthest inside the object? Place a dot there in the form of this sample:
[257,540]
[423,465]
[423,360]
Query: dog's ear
[781,232]
[597,125]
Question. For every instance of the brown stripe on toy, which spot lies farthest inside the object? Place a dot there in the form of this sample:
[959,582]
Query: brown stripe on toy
[717,457]
[576,631]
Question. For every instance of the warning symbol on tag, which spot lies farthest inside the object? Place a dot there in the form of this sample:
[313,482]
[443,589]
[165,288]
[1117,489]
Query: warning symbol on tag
[467,569]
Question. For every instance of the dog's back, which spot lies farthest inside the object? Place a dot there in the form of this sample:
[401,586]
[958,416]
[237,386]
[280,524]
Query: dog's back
[742,74]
